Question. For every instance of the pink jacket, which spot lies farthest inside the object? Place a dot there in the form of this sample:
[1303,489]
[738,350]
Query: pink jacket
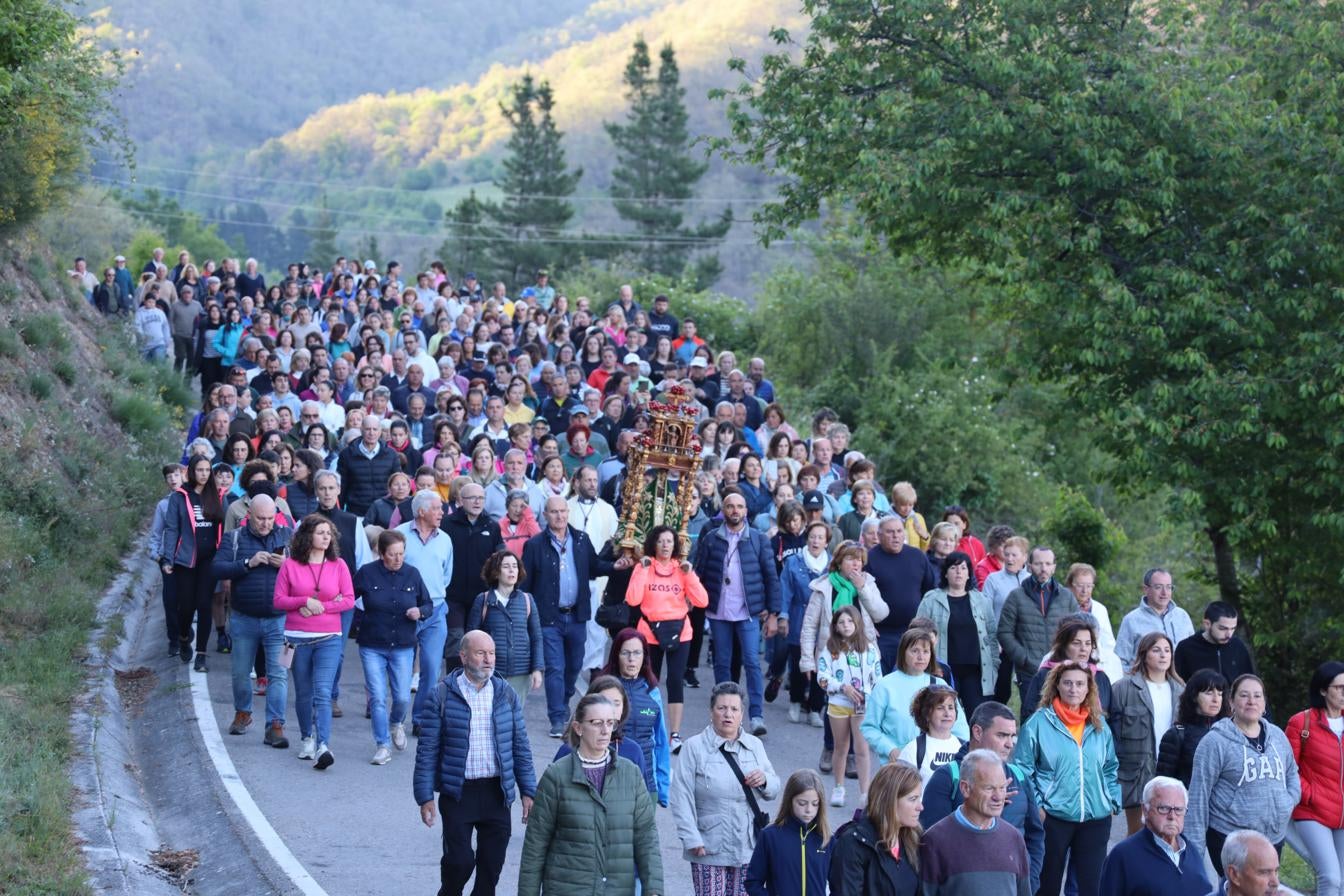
[328,581]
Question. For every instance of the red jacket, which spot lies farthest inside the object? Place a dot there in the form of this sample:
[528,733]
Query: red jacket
[1320,767]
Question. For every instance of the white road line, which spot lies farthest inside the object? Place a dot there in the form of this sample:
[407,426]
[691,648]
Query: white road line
[242,798]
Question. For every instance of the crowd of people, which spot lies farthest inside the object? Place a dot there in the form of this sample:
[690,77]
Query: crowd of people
[436,471]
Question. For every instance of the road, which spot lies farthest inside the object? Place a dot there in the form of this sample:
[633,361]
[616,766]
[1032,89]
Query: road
[356,828]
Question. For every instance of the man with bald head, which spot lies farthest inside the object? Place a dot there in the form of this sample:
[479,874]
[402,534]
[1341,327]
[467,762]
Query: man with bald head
[558,564]
[249,557]
[475,537]
[473,749]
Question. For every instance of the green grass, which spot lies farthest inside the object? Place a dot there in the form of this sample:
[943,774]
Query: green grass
[45,332]
[10,346]
[40,386]
[70,513]
[1295,872]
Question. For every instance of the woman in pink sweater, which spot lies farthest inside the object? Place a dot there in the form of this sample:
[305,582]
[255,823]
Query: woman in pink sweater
[314,587]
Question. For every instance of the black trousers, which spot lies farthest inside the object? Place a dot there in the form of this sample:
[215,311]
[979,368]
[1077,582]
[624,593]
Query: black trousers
[675,680]
[194,589]
[1213,842]
[969,690]
[1080,845]
[481,808]
[169,595]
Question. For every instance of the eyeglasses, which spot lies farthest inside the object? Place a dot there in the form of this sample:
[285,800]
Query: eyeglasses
[1178,811]
[631,654]
[603,724]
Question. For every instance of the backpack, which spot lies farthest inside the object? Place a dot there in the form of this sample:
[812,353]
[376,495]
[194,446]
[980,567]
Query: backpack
[527,602]
[921,744]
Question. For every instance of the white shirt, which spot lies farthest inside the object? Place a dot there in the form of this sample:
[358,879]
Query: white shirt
[937,753]
[1160,693]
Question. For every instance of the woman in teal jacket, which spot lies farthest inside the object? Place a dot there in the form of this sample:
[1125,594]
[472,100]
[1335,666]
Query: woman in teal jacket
[1068,755]
[228,339]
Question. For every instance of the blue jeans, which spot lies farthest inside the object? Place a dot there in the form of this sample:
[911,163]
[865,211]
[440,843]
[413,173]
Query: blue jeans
[346,618]
[248,632]
[380,665]
[563,646]
[314,671]
[432,634]
[748,635]
[155,355]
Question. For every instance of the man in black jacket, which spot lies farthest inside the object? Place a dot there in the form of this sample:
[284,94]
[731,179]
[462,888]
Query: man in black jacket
[558,564]
[250,558]
[365,466]
[1216,647]
[475,537]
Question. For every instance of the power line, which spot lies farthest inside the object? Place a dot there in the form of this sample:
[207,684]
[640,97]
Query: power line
[340,214]
[325,185]
[503,238]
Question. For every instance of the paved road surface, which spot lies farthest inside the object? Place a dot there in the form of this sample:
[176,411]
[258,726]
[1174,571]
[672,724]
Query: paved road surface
[356,828]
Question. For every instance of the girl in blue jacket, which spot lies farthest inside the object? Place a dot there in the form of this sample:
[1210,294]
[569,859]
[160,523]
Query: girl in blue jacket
[793,855]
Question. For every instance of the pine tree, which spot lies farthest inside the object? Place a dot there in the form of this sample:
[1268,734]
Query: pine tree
[467,236]
[655,172]
[528,223]
[321,250]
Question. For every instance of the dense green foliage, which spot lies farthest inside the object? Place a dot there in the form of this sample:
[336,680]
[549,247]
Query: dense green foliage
[1153,200]
[53,104]
[655,172]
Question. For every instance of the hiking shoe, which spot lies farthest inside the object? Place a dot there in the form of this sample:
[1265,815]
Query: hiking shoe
[772,689]
[381,756]
[676,742]
[795,713]
[690,680]
[308,749]
[184,651]
[814,719]
[241,722]
[275,736]
[260,687]
[199,665]
[825,765]
[324,758]
[336,711]
[399,737]
[174,648]
[838,797]
[223,643]
[758,726]
[851,768]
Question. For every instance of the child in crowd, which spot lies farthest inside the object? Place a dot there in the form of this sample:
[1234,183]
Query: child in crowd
[793,855]
[903,499]
[848,669]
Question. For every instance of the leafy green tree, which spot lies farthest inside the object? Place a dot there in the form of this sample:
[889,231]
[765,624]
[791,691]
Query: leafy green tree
[54,88]
[322,248]
[529,221]
[655,173]
[182,228]
[1152,196]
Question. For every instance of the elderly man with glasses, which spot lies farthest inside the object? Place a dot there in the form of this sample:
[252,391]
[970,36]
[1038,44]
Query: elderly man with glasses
[1157,860]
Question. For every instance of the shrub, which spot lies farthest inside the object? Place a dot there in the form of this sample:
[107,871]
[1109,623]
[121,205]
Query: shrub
[40,386]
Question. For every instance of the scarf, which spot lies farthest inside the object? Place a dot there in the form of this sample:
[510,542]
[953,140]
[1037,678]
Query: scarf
[844,592]
[817,565]
[1074,719]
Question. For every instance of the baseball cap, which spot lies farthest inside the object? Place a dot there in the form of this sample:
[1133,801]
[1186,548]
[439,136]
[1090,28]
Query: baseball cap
[370,265]
[812,500]
[631,358]
[120,258]
[578,409]
[698,361]
[471,275]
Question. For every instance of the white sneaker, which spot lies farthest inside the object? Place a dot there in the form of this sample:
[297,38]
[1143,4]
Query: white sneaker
[399,736]
[838,797]
[795,713]
[814,719]
[415,682]
[381,756]
[309,748]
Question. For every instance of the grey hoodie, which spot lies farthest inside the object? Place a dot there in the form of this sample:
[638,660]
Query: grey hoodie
[1233,786]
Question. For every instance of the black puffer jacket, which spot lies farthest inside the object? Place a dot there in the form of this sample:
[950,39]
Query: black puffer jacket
[253,592]
[473,543]
[364,479]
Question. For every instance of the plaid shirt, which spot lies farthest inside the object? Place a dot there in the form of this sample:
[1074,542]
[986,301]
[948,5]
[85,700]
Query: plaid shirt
[481,761]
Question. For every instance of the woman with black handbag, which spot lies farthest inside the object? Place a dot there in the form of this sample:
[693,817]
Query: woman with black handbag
[718,787]
[664,589]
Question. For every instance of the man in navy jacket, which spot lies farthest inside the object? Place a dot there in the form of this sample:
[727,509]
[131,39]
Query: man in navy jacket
[558,564]
[1158,860]
[737,568]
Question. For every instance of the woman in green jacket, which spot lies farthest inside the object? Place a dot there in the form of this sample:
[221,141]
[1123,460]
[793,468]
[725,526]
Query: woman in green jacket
[591,829]
[1068,755]
[967,632]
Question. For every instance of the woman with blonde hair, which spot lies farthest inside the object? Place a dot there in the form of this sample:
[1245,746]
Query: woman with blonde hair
[1068,754]
[877,853]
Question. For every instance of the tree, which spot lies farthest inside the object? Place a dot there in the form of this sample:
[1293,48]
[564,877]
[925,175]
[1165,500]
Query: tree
[529,221]
[54,88]
[467,233]
[1151,192]
[322,250]
[655,174]
[182,228]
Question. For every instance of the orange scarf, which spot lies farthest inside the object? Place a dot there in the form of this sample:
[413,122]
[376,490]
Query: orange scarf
[1074,719]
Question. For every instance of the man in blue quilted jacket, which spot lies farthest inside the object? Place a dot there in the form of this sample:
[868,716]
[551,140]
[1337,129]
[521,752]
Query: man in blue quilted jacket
[473,750]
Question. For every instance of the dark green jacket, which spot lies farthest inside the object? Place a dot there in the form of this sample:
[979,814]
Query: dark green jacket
[581,842]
